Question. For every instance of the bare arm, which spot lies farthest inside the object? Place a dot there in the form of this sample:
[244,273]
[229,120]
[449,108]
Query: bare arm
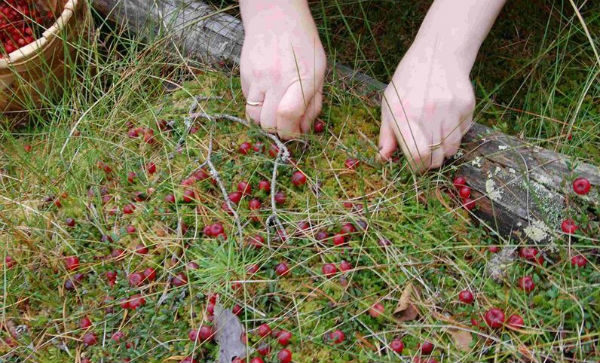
[429,103]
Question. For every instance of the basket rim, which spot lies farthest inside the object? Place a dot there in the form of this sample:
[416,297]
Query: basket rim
[30,50]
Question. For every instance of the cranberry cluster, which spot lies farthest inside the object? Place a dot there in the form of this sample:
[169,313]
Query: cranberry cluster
[20,24]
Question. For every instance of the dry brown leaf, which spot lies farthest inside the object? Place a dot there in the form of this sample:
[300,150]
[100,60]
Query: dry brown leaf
[405,300]
[410,313]
[406,310]
[462,339]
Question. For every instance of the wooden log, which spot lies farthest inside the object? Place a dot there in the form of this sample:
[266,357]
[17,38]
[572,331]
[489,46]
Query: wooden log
[521,191]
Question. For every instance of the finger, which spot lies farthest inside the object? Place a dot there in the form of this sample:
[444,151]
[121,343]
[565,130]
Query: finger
[292,107]
[255,95]
[313,110]
[267,115]
[452,135]
[411,138]
[387,140]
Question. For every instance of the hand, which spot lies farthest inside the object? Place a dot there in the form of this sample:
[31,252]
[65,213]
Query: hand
[282,66]
[426,109]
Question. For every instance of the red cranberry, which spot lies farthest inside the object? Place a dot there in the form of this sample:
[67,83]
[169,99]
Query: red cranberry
[256,241]
[264,349]
[151,168]
[179,280]
[468,203]
[85,322]
[136,301]
[578,261]
[282,269]
[188,195]
[515,321]
[351,163]
[254,204]
[117,253]
[339,239]
[526,283]
[528,253]
[263,330]
[284,337]
[322,235]
[205,333]
[133,132]
[89,339]
[319,126]
[245,148]
[188,360]
[264,185]
[581,186]
[235,197]
[70,222]
[72,263]
[280,197]
[135,279]
[131,177]
[494,318]
[345,266]
[128,208]
[329,269]
[210,309]
[117,336]
[337,336]
[397,346]
[9,262]
[217,229]
[170,198]
[348,228]
[258,147]
[568,226]
[150,274]
[303,225]
[376,310]
[111,276]
[426,347]
[236,309]
[494,249]
[459,181]
[298,178]
[141,249]
[201,174]
[464,192]
[244,188]
[27,148]
[273,151]
[192,265]
[257,360]
[466,297]
[130,229]
[284,356]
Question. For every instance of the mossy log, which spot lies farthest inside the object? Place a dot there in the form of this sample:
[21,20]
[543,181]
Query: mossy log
[522,191]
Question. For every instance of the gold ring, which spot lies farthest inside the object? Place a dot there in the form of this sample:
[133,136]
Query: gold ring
[254,103]
[435,146]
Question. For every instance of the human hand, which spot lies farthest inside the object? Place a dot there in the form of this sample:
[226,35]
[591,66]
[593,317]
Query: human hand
[282,66]
[426,109]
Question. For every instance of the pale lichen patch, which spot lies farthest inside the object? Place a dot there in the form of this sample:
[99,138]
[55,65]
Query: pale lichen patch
[502,147]
[536,231]
[493,193]
[477,162]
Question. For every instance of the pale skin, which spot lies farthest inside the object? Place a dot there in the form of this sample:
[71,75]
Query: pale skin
[426,108]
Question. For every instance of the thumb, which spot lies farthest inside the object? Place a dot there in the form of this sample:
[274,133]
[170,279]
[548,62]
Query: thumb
[292,107]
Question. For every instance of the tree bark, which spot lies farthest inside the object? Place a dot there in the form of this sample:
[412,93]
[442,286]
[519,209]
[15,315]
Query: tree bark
[521,191]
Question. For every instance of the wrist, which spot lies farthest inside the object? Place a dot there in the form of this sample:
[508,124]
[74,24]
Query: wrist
[257,13]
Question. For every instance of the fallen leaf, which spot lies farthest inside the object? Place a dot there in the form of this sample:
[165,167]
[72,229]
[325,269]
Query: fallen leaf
[404,299]
[462,338]
[229,335]
[409,314]
[405,310]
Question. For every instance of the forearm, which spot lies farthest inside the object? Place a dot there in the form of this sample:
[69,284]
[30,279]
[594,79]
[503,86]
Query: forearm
[455,29]
[260,12]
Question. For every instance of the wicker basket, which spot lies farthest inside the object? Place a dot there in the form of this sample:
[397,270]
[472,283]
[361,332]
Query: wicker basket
[38,69]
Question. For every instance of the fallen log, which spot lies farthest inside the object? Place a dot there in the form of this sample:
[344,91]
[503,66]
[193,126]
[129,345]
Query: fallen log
[522,191]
